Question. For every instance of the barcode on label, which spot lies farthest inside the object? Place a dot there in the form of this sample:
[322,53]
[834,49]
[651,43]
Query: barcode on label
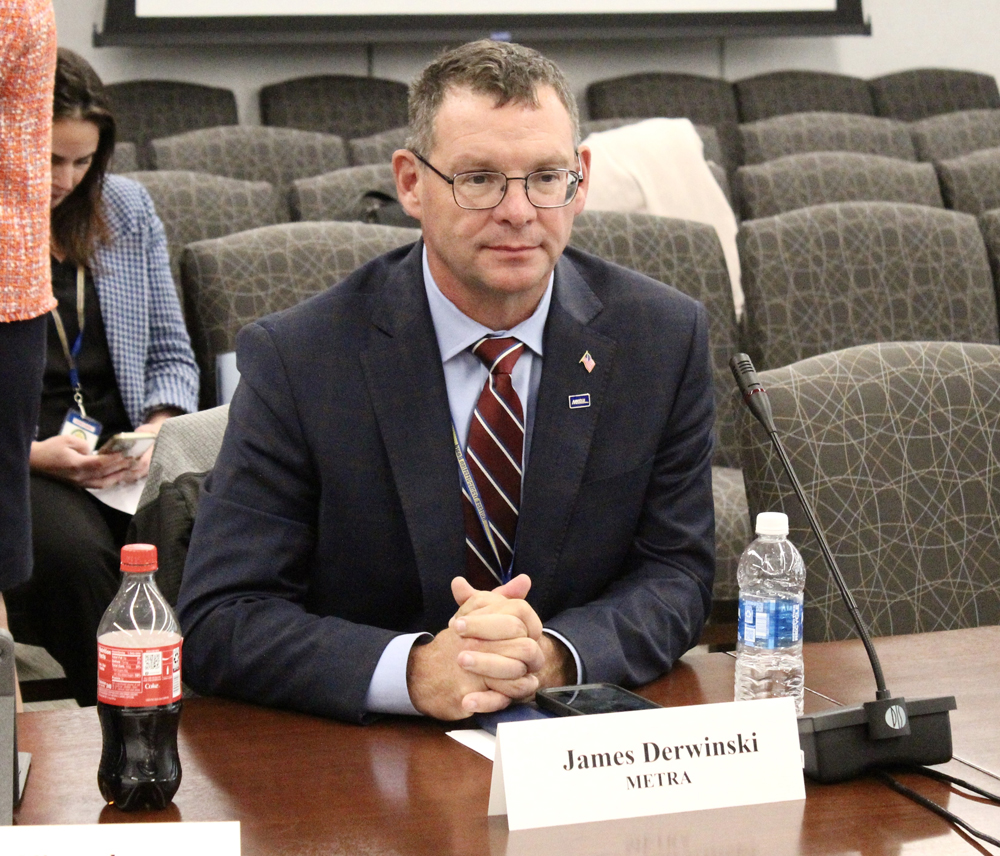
[177,684]
[152,663]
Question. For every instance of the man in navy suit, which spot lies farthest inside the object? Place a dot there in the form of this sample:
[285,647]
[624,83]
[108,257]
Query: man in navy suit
[327,567]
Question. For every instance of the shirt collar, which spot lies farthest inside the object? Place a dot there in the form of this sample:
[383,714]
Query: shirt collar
[456,331]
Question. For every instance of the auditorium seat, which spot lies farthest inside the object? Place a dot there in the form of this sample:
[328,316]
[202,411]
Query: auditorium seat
[921,92]
[341,104]
[145,110]
[703,100]
[230,281]
[125,158]
[948,136]
[688,256]
[989,225]
[253,153]
[850,273]
[777,93]
[194,206]
[798,181]
[798,133]
[337,195]
[377,148]
[897,446]
[971,183]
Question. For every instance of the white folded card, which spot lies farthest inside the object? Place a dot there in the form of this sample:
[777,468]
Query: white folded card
[609,766]
[122,839]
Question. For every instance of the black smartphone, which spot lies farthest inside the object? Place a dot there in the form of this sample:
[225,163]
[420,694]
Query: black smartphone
[591,698]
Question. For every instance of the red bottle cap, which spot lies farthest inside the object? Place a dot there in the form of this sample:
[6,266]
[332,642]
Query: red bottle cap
[138,558]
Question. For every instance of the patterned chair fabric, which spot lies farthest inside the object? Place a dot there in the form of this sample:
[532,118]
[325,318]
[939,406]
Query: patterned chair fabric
[124,159]
[335,196]
[897,446]
[850,273]
[971,183]
[145,110]
[798,181]
[798,133]
[922,92]
[231,281]
[703,100]
[778,93]
[954,134]
[253,153]
[377,148]
[345,105]
[989,225]
[688,256]
[194,207]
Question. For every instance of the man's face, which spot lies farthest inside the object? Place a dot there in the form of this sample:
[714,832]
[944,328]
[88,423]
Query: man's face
[493,264]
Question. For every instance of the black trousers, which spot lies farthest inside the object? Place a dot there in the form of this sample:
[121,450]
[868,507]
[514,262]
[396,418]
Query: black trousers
[77,542]
[22,361]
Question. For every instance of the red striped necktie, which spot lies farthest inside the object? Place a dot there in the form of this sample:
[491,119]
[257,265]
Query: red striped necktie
[494,452]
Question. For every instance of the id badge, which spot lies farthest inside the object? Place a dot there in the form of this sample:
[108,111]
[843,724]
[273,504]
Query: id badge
[84,427]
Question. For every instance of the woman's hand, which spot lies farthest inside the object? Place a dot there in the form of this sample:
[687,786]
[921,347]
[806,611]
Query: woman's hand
[68,459]
[152,426]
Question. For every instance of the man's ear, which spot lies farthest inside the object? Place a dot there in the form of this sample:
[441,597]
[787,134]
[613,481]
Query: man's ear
[404,170]
[581,193]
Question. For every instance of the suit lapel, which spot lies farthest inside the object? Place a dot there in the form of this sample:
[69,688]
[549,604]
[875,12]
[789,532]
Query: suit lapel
[561,437]
[405,379]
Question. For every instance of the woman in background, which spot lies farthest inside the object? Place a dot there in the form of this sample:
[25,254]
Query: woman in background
[119,325]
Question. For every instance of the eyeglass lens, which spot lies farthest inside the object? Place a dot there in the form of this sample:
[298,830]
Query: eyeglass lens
[550,188]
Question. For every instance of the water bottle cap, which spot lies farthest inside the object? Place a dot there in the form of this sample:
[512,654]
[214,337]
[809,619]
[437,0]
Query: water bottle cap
[138,558]
[772,523]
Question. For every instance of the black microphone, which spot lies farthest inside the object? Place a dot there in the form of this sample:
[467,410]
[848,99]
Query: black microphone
[841,744]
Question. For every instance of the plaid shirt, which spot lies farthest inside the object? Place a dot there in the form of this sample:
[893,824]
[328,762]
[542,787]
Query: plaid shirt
[149,344]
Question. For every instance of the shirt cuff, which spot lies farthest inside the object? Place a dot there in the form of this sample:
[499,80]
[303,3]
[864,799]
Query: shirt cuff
[572,650]
[387,692]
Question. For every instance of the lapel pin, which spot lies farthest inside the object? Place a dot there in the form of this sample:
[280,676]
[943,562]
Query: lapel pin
[588,362]
[580,400]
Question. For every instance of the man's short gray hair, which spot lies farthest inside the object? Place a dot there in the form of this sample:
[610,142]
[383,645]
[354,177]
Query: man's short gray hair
[505,71]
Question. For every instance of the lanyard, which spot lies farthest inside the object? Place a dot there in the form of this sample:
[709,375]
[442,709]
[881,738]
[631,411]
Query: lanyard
[74,352]
[477,503]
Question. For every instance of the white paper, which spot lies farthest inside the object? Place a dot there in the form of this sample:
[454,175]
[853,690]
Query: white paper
[477,739]
[124,497]
[122,839]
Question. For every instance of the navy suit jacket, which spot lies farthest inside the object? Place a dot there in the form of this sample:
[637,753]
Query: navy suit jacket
[333,519]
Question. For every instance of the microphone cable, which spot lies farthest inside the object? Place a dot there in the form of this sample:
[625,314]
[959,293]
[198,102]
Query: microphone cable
[940,810]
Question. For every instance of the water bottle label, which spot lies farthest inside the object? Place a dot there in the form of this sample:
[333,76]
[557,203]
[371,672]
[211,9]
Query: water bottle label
[139,677]
[775,623]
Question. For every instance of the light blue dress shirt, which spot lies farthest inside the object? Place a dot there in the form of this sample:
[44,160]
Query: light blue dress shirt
[464,377]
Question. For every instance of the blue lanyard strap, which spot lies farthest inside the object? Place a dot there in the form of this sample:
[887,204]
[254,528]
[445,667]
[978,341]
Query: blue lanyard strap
[73,352]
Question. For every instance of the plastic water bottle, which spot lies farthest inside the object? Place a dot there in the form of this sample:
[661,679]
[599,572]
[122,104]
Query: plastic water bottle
[139,689]
[769,647]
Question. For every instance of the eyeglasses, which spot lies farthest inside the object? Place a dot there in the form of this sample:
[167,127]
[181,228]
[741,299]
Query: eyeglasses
[476,191]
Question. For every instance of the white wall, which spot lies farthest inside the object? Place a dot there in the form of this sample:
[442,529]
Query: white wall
[905,34]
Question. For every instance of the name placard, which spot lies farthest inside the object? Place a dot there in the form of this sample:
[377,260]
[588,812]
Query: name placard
[122,839]
[611,766]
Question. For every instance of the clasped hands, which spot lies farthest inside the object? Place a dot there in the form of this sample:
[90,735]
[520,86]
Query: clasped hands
[491,653]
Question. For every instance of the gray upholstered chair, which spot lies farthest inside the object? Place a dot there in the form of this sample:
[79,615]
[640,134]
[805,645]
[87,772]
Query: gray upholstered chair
[194,206]
[689,256]
[125,158]
[703,100]
[798,181]
[897,446]
[778,93]
[850,273]
[145,110]
[922,92]
[229,282]
[377,148]
[971,183]
[341,104]
[798,133]
[953,134]
[253,153]
[336,195]
[989,225]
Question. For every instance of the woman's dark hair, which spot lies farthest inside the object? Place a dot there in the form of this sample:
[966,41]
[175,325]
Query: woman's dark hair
[78,223]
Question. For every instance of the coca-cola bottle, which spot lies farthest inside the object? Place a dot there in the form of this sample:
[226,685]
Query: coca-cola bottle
[139,689]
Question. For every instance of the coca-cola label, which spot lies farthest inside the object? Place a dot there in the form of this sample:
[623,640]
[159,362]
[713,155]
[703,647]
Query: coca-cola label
[138,676]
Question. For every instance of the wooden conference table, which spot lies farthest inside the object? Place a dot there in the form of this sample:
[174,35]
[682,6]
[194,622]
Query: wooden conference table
[303,785]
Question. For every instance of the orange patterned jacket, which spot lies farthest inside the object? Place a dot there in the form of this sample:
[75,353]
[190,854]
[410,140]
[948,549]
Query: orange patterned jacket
[27,71]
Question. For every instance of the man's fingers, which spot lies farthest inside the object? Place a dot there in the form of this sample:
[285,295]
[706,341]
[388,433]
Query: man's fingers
[486,701]
[491,626]
[461,590]
[508,659]
[517,588]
